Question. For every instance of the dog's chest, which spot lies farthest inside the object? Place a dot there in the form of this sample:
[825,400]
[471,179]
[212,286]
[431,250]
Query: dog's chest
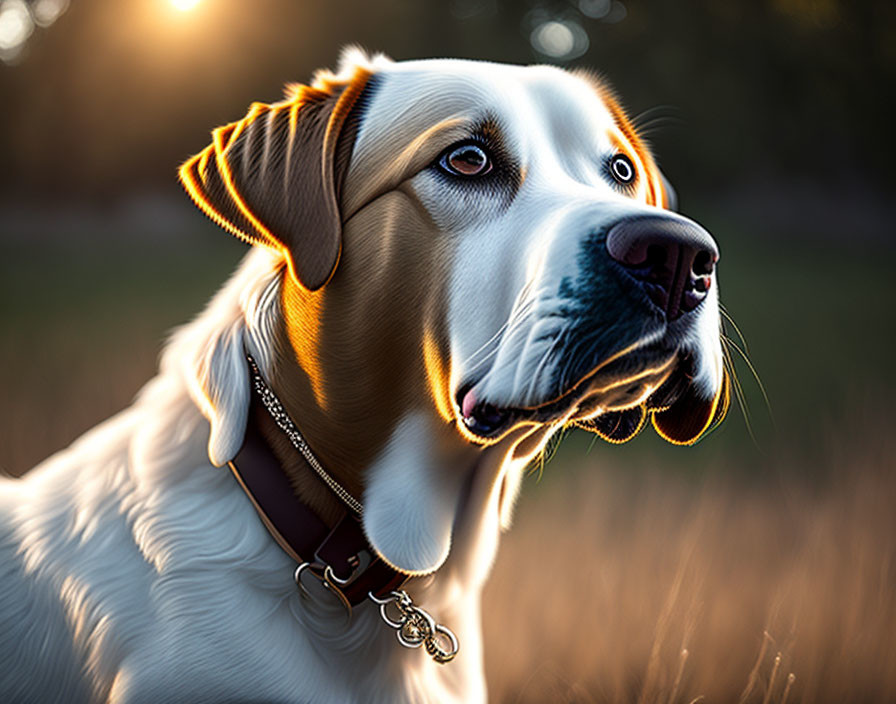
[202,606]
[269,652]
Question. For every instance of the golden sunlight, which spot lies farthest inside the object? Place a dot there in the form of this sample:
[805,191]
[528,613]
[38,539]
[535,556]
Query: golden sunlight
[184,5]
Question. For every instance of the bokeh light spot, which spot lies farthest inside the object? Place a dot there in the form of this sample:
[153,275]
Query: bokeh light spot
[16,25]
[616,14]
[595,9]
[563,40]
[46,12]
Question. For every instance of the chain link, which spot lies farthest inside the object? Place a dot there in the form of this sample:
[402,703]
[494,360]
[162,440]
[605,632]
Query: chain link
[273,406]
[415,627]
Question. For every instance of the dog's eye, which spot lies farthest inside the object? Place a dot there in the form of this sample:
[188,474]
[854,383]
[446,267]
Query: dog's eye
[622,169]
[466,160]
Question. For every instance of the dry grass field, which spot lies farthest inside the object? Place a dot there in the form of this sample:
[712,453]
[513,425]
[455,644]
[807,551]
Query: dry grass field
[633,574]
[642,585]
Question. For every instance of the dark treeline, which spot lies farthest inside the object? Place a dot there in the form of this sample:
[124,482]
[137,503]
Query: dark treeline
[112,96]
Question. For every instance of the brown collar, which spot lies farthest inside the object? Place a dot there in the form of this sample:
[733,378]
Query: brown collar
[340,557]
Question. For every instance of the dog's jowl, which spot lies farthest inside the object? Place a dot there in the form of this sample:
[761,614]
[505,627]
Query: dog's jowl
[450,261]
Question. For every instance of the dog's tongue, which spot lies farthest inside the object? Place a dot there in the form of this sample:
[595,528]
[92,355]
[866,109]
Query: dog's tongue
[468,404]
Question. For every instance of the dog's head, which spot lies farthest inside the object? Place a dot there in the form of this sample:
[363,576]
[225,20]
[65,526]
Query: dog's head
[575,294]
[489,244]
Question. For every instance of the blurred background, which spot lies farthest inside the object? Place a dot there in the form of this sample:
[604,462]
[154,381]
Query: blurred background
[758,566]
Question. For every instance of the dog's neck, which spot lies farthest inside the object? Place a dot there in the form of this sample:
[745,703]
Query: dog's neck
[308,487]
[353,378]
[372,422]
[337,376]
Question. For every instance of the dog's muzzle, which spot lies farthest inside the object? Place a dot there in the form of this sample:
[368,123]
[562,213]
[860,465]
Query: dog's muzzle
[644,276]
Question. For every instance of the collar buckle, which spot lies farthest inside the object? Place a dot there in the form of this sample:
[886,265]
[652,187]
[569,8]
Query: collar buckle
[343,561]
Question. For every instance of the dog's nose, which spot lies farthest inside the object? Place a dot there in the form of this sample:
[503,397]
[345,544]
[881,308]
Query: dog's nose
[673,259]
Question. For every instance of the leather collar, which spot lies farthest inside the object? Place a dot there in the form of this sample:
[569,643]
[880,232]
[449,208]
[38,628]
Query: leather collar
[341,557]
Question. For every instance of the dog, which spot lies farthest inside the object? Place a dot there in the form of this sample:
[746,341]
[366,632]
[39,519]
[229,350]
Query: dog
[452,261]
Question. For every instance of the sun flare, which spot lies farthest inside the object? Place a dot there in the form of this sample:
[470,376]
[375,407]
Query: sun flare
[184,5]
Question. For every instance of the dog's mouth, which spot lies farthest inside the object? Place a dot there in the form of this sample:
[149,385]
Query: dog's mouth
[610,388]
[611,404]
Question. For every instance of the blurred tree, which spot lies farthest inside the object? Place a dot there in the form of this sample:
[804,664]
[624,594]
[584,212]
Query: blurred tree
[112,96]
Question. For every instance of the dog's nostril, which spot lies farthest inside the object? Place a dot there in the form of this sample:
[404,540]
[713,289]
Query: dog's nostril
[703,263]
[656,256]
[674,258]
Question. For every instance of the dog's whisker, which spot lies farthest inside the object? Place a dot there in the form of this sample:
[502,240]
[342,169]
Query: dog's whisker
[730,319]
[507,331]
[739,394]
[495,346]
[655,127]
[572,357]
[515,317]
[654,113]
[731,344]
[547,356]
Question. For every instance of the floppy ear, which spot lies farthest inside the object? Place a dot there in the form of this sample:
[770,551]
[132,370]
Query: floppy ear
[210,353]
[686,420]
[274,177]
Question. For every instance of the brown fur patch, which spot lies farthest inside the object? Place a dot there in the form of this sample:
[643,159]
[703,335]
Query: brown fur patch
[370,346]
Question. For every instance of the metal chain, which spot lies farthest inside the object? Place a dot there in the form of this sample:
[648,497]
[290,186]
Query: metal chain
[273,406]
[415,627]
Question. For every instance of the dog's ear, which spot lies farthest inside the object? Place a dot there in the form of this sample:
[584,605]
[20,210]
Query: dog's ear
[210,353]
[274,177]
[686,420]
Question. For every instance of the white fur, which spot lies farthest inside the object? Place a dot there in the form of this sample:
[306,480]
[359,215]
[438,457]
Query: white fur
[401,483]
[133,568]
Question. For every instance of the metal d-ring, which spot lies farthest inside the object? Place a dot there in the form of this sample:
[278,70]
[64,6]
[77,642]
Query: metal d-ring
[329,580]
[334,584]
[297,576]
[330,577]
